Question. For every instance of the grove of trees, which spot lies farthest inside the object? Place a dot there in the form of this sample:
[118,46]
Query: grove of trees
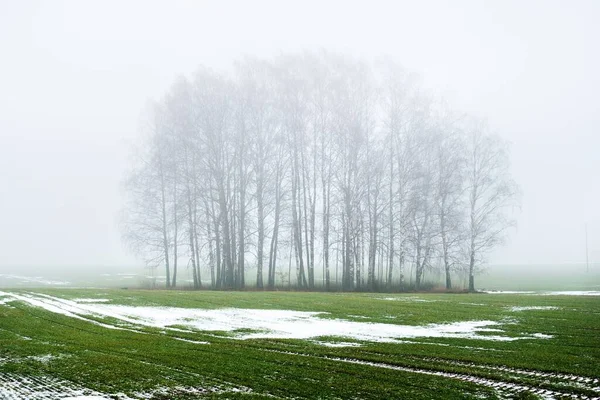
[314,171]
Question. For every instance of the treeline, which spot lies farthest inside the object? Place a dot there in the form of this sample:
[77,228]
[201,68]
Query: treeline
[335,171]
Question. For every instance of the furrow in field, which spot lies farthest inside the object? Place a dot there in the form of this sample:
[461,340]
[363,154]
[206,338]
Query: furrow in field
[496,384]
[499,385]
[581,381]
[16,387]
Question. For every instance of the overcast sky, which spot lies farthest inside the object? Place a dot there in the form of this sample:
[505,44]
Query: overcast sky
[76,75]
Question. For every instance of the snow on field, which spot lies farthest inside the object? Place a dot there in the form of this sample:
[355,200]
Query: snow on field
[547,293]
[256,324]
[507,292]
[14,386]
[336,344]
[18,387]
[528,308]
[33,279]
[44,358]
[403,298]
[84,398]
[573,293]
[193,341]
[542,336]
[505,389]
[91,300]
[194,392]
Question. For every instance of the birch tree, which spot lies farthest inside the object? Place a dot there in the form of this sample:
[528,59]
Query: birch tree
[493,195]
[150,217]
[318,162]
[450,163]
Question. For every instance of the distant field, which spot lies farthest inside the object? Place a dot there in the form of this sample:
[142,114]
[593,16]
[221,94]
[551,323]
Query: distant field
[495,277]
[135,344]
[540,277]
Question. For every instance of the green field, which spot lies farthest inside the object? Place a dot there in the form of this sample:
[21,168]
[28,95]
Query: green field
[555,351]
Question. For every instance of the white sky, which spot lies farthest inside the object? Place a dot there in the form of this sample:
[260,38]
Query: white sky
[75,76]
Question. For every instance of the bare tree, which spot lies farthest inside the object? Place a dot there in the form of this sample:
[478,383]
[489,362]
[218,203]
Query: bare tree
[492,195]
[308,147]
[212,98]
[449,175]
[150,218]
[375,207]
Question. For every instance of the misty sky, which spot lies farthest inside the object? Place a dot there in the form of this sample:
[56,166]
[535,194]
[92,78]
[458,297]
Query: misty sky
[76,75]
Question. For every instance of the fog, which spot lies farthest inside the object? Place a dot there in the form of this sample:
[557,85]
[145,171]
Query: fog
[75,77]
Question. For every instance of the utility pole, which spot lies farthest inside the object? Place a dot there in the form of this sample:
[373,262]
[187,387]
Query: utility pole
[587,258]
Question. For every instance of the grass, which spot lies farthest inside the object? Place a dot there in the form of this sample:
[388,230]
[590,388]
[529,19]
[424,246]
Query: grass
[120,361]
[540,277]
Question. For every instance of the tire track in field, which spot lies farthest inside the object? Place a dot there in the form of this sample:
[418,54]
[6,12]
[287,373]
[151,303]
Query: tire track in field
[582,382]
[18,387]
[497,384]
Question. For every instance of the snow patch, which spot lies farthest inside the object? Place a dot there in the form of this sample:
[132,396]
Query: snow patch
[15,386]
[84,300]
[413,299]
[33,279]
[573,293]
[261,324]
[547,293]
[507,292]
[500,386]
[528,308]
[60,306]
[44,359]
[194,391]
[337,344]
[542,336]
[192,341]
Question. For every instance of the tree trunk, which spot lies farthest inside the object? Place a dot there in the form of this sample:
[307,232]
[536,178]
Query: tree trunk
[418,266]
[196,247]
[242,241]
[471,272]
[261,230]
[297,224]
[175,239]
[305,205]
[219,272]
[164,226]
[445,246]
[192,253]
[228,280]
[211,250]
[274,238]
[326,237]
[372,247]
[391,220]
